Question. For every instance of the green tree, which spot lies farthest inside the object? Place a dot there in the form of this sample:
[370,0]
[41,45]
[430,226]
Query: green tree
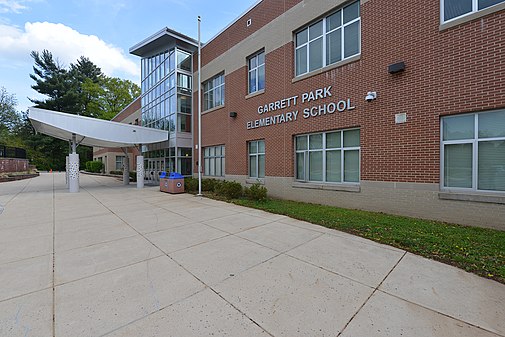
[117,94]
[82,89]
[53,81]
[9,118]
[88,80]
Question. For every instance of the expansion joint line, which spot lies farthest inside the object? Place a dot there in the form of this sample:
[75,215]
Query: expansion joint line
[373,292]
[180,265]
[54,258]
[15,195]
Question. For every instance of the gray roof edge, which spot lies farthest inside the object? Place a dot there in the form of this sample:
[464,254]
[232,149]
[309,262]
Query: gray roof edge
[157,35]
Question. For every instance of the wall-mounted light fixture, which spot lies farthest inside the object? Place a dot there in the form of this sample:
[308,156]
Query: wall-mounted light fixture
[233,114]
[370,96]
[396,67]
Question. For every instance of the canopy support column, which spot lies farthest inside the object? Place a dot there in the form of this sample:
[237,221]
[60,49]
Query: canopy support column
[140,171]
[140,168]
[126,167]
[73,168]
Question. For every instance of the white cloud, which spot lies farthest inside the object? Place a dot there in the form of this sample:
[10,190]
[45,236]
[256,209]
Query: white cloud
[12,6]
[66,45]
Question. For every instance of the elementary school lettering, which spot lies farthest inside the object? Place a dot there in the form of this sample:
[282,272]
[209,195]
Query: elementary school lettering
[308,112]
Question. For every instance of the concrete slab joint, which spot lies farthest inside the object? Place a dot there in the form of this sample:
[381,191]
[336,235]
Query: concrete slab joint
[118,261]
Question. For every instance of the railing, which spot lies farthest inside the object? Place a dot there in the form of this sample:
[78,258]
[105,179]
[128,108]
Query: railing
[12,152]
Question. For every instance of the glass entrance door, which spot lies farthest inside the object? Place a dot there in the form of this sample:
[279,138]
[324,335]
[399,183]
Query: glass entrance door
[154,167]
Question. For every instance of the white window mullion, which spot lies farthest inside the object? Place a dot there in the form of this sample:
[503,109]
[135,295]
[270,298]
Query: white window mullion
[324,156]
[342,157]
[442,154]
[342,42]
[307,166]
[308,51]
[359,50]
[324,49]
[475,153]
[442,6]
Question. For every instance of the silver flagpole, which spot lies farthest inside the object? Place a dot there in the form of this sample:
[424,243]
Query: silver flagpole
[199,111]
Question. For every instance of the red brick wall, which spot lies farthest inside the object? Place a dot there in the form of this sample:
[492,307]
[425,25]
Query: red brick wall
[13,165]
[461,69]
[129,110]
[260,15]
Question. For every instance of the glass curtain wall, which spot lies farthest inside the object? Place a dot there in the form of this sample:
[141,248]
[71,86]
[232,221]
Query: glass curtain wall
[167,103]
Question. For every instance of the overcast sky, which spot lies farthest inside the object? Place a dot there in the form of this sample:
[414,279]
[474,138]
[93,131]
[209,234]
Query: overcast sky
[102,30]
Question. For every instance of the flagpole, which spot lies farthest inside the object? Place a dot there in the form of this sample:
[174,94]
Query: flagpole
[199,111]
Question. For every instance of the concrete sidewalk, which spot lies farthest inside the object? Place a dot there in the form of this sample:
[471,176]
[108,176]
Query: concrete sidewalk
[116,261]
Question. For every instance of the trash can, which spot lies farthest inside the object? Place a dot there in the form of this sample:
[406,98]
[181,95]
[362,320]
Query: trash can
[173,184]
[163,182]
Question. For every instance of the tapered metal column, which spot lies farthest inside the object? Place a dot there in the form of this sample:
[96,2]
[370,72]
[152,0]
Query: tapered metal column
[73,168]
[66,170]
[126,168]
[140,171]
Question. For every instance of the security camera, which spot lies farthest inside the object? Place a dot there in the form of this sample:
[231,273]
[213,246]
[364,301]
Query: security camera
[370,96]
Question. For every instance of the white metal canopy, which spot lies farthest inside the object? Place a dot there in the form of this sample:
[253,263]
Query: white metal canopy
[92,131]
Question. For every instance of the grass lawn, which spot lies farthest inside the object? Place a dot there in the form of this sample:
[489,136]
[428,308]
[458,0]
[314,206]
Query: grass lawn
[477,250]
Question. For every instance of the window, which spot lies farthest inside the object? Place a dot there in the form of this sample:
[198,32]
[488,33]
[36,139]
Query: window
[330,40]
[119,163]
[213,92]
[214,161]
[256,65]
[257,159]
[183,60]
[184,160]
[452,9]
[473,151]
[332,157]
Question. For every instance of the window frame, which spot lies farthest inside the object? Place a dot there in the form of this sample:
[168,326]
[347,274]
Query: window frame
[256,70]
[121,164]
[475,154]
[324,37]
[475,9]
[325,149]
[256,156]
[213,90]
[209,158]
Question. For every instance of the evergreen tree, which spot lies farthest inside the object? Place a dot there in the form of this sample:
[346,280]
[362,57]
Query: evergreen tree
[83,89]
[87,77]
[53,81]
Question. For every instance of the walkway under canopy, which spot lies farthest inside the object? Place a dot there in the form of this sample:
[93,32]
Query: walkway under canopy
[80,130]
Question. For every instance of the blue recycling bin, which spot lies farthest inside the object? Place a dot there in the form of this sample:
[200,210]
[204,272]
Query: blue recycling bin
[173,184]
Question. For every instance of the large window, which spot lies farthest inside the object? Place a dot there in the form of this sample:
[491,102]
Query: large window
[473,151]
[257,159]
[256,65]
[166,91]
[214,161]
[184,160]
[213,92]
[452,9]
[332,157]
[119,163]
[330,40]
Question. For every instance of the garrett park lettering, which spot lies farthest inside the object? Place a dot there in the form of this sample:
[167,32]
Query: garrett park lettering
[308,112]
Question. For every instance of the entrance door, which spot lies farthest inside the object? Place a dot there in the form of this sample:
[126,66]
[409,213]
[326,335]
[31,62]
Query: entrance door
[154,167]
